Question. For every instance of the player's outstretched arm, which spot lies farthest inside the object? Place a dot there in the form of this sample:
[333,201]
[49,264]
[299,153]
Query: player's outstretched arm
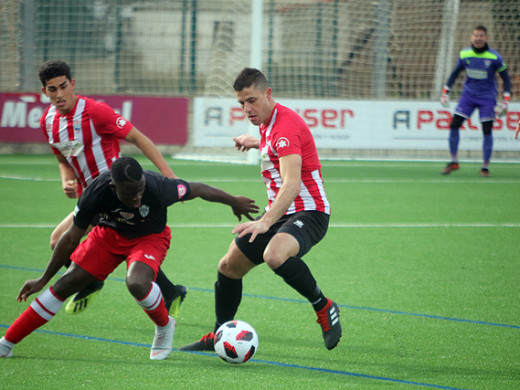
[517,130]
[241,205]
[66,245]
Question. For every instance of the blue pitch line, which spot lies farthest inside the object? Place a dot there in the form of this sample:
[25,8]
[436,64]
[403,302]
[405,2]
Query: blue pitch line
[352,307]
[272,363]
[378,310]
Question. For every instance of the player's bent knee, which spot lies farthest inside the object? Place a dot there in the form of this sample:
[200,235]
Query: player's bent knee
[53,241]
[275,255]
[273,260]
[69,284]
[138,279]
[138,287]
[234,264]
[234,268]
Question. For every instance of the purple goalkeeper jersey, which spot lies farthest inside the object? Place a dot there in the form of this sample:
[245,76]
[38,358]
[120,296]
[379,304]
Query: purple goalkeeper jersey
[480,71]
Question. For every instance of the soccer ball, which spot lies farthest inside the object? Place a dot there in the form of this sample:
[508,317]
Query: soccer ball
[236,342]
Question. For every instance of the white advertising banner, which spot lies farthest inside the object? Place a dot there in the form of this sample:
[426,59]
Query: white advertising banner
[346,124]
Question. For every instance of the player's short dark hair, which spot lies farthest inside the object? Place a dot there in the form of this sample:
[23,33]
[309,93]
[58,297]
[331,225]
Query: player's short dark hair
[250,77]
[52,69]
[126,169]
[480,27]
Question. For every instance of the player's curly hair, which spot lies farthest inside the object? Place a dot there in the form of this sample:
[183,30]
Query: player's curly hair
[250,77]
[52,69]
[126,169]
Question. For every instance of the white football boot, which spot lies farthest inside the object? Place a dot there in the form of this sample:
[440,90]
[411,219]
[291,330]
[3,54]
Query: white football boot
[6,348]
[163,340]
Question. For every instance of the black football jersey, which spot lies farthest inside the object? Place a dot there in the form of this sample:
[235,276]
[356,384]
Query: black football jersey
[149,218]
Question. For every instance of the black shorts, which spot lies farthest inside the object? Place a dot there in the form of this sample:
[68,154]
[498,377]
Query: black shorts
[308,227]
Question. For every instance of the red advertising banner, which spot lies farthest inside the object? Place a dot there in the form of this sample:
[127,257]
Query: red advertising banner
[163,119]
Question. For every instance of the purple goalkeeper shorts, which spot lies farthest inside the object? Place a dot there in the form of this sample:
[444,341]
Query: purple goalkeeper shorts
[467,104]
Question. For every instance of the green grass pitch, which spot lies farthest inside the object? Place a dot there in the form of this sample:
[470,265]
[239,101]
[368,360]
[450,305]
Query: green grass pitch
[425,269]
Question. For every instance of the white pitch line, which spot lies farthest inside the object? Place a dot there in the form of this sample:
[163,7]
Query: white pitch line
[333,162]
[28,178]
[340,181]
[334,225]
[426,225]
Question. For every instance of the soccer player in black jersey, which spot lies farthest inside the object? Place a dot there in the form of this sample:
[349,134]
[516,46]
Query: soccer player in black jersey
[133,204]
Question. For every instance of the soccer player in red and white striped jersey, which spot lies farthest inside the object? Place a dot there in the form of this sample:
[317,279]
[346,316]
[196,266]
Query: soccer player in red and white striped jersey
[295,219]
[87,136]
[84,135]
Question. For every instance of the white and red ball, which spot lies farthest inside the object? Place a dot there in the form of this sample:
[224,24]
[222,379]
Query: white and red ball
[236,341]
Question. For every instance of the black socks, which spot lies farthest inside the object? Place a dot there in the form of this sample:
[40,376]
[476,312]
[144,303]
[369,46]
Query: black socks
[228,294]
[167,287]
[297,275]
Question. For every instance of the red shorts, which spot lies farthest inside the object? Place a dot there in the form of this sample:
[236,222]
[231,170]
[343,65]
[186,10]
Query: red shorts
[105,249]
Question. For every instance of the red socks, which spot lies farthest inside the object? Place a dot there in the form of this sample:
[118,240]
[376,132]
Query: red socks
[153,305]
[41,311]
[47,304]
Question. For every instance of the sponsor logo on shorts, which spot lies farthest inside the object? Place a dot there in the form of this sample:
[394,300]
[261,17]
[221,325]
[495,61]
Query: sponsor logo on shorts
[149,257]
[298,223]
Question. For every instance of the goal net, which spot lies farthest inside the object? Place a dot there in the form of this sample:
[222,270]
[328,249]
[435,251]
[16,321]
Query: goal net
[353,49]
[319,49]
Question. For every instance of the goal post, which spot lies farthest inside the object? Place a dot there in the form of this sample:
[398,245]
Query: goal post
[257,21]
[445,57]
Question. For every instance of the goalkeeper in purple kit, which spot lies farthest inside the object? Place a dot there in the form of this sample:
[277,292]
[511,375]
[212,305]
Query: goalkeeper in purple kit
[480,92]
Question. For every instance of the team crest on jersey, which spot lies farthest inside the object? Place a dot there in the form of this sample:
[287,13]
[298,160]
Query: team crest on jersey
[76,125]
[126,215]
[487,63]
[144,210]
[282,143]
[120,122]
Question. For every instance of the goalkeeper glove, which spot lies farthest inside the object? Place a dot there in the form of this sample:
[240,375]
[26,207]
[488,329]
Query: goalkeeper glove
[501,108]
[445,97]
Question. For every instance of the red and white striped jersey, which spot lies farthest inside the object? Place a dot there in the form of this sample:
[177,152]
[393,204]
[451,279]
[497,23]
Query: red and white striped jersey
[286,134]
[87,136]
